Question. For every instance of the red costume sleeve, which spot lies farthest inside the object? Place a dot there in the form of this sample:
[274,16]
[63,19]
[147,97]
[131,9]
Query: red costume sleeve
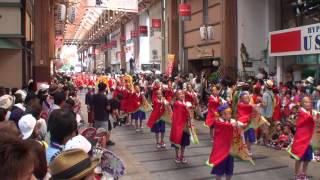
[189,98]
[168,94]
[134,103]
[244,112]
[179,120]
[223,134]
[154,92]
[158,110]
[276,116]
[212,110]
[304,130]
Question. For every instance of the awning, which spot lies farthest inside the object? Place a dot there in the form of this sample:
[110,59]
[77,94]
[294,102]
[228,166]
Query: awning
[5,43]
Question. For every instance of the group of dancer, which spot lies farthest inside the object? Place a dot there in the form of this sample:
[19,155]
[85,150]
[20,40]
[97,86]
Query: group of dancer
[234,121]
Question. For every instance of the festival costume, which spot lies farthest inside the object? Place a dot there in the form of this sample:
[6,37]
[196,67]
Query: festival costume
[227,143]
[305,126]
[168,94]
[155,122]
[222,145]
[134,107]
[244,112]
[213,105]
[277,109]
[155,88]
[178,135]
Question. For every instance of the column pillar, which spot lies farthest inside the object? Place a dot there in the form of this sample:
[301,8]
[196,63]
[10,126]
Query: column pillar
[44,38]
[229,38]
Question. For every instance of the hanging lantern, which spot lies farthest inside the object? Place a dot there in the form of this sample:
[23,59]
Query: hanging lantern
[185,11]
[210,33]
[203,33]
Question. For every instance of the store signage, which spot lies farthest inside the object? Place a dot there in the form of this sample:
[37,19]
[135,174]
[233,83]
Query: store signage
[156,23]
[170,64]
[115,5]
[185,11]
[295,41]
[143,30]
[114,43]
[134,34]
[122,39]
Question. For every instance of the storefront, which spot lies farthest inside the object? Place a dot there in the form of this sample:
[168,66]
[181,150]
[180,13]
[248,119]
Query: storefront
[297,64]
[299,48]
[114,52]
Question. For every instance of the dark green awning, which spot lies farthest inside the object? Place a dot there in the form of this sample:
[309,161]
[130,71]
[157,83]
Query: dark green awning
[8,44]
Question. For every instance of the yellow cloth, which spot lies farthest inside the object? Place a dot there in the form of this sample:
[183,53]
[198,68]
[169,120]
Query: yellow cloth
[239,148]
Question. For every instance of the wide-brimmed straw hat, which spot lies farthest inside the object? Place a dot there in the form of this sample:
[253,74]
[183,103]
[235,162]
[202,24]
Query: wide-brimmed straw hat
[269,84]
[72,164]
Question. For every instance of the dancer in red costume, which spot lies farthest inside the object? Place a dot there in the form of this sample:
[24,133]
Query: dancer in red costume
[244,115]
[137,114]
[155,87]
[179,135]
[169,92]
[220,158]
[214,102]
[301,149]
[155,122]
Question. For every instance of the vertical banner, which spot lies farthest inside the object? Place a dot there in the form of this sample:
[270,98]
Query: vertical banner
[185,11]
[170,63]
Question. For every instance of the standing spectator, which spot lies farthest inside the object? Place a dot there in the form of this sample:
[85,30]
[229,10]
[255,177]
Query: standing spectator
[17,110]
[101,108]
[18,160]
[267,108]
[62,126]
[59,100]
[48,102]
[88,102]
[317,98]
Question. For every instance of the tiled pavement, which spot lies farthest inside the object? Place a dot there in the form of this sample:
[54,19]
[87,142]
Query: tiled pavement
[144,162]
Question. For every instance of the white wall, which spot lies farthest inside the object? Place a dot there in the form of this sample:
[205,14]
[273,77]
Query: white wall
[256,18]
[144,54]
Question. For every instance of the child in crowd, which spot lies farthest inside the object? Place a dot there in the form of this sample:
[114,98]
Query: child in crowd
[137,101]
[179,135]
[301,149]
[155,121]
[244,114]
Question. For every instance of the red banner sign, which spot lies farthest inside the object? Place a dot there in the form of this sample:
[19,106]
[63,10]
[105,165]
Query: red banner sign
[143,30]
[184,9]
[156,23]
[114,43]
[134,33]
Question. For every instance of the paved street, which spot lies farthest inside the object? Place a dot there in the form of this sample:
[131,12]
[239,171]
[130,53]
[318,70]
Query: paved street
[144,161]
